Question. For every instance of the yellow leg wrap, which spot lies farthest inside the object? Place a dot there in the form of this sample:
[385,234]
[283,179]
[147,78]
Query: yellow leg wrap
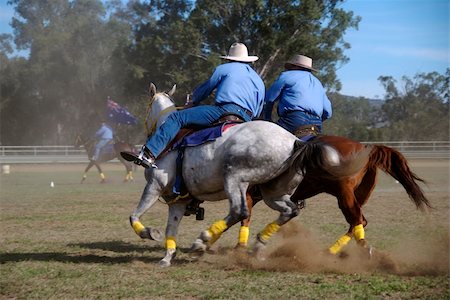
[269,231]
[243,235]
[170,242]
[84,176]
[217,229]
[358,232]
[341,242]
[102,176]
[138,227]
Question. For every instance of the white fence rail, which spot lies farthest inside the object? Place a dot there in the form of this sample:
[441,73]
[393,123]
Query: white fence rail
[68,154]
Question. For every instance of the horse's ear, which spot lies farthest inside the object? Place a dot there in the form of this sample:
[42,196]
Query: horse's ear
[172,91]
[152,89]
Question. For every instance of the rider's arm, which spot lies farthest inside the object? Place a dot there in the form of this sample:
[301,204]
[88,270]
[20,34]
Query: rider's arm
[204,90]
[327,110]
[272,95]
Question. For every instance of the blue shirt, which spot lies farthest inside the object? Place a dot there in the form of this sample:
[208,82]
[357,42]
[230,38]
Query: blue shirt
[297,90]
[236,83]
[105,132]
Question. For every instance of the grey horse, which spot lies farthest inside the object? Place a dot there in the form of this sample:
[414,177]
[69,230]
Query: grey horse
[245,155]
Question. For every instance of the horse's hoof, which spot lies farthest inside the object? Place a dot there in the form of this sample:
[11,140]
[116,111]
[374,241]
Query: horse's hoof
[164,263]
[152,234]
[258,250]
[197,249]
[371,252]
[240,246]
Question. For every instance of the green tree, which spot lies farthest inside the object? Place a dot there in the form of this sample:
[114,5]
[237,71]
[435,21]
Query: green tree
[183,42]
[356,118]
[420,109]
[275,30]
[72,47]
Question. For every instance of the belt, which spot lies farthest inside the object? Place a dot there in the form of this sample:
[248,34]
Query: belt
[247,112]
[303,111]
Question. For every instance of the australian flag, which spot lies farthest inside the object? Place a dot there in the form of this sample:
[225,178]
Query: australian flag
[119,115]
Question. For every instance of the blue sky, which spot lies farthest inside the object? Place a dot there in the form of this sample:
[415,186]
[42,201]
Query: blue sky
[395,38]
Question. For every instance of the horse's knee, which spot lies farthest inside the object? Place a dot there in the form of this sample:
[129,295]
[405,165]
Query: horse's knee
[244,215]
[239,214]
[295,212]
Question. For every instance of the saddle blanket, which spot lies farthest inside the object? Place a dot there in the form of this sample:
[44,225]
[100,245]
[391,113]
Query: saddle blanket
[202,136]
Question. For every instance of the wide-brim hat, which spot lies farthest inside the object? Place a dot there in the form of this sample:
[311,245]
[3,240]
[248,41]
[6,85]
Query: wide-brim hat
[239,52]
[300,61]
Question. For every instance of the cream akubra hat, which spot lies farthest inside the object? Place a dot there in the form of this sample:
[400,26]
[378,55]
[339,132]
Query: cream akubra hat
[239,52]
[300,61]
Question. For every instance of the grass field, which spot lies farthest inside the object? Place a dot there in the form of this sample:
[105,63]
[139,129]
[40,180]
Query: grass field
[74,241]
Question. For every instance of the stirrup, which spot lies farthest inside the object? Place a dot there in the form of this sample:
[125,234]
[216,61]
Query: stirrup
[140,160]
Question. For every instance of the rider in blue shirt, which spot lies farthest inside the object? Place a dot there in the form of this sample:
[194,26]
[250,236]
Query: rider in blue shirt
[104,135]
[239,90]
[302,98]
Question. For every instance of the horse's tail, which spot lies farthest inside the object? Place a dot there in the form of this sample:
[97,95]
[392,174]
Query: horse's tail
[316,157]
[395,164]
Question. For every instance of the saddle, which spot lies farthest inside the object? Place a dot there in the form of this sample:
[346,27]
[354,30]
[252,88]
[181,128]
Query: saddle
[227,118]
[307,130]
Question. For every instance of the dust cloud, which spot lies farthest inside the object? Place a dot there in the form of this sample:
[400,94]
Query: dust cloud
[296,250]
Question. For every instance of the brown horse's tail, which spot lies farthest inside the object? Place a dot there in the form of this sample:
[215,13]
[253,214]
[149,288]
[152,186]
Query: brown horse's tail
[395,164]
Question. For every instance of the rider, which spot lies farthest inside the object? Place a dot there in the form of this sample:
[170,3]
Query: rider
[103,135]
[303,100]
[240,91]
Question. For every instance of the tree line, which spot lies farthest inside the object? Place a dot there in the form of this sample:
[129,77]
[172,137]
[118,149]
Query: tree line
[82,51]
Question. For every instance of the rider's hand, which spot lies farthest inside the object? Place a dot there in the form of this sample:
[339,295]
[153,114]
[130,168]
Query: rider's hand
[189,103]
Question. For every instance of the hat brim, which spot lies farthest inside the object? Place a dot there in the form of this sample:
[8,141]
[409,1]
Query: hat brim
[288,64]
[241,59]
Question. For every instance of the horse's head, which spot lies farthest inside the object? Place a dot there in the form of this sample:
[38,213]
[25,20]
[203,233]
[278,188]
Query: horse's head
[160,106]
[80,140]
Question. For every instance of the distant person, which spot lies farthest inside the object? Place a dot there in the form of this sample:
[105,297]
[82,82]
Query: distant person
[239,90]
[302,98]
[104,135]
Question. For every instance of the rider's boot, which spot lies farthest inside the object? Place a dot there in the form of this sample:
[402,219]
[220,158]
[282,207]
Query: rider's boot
[145,158]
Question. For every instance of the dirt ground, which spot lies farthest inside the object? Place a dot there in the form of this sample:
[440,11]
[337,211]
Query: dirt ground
[74,241]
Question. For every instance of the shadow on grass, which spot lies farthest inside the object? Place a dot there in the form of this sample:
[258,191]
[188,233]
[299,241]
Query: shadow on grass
[117,246]
[122,247]
[113,246]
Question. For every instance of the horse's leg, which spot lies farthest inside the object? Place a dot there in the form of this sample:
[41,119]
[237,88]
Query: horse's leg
[89,166]
[353,214]
[236,192]
[176,212]
[361,195]
[128,167]
[102,176]
[287,209]
[149,196]
[244,231]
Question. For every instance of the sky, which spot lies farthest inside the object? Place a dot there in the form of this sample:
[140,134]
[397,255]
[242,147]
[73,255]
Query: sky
[395,38]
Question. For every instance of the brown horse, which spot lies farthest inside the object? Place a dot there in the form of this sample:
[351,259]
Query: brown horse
[105,156]
[351,192]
